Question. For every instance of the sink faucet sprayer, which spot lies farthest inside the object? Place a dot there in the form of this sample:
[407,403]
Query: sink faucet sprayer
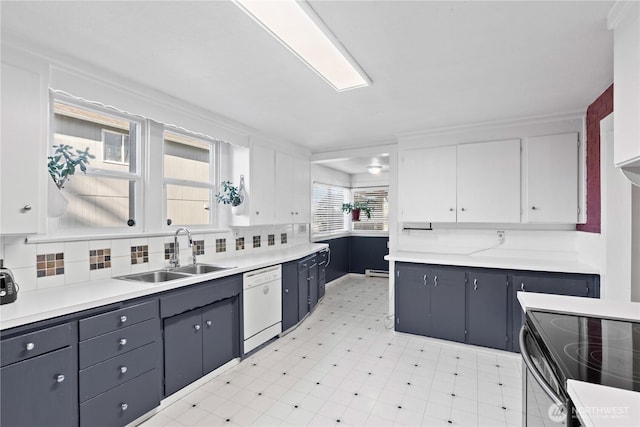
[174,261]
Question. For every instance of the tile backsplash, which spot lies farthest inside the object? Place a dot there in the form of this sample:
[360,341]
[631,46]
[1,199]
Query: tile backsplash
[45,265]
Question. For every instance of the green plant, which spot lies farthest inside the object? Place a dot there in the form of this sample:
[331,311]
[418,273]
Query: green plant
[64,162]
[229,195]
[362,207]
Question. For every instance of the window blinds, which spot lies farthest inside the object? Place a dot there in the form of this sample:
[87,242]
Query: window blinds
[378,201]
[327,215]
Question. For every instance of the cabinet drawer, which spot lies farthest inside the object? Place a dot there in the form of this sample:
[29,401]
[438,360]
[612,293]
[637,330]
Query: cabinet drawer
[117,370]
[118,342]
[123,404]
[200,295]
[35,343]
[118,319]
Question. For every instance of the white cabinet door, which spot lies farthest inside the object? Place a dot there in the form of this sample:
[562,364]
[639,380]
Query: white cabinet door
[22,164]
[301,190]
[489,182]
[285,193]
[626,90]
[427,185]
[551,179]
[262,185]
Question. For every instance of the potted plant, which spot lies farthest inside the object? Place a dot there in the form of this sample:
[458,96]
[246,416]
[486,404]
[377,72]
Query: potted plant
[62,164]
[231,195]
[355,208]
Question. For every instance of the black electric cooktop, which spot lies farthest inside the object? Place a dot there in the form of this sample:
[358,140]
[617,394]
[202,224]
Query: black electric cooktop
[589,349]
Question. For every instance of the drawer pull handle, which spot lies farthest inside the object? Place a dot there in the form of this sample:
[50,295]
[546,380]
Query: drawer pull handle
[196,327]
[59,378]
[123,369]
[124,406]
[209,323]
[123,341]
[30,346]
[123,319]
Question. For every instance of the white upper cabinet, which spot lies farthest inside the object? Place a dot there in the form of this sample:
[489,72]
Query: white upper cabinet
[427,185]
[23,159]
[626,87]
[302,190]
[292,189]
[488,182]
[259,207]
[551,179]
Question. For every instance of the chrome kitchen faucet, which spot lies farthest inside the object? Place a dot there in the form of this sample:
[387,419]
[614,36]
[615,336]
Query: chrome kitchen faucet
[174,261]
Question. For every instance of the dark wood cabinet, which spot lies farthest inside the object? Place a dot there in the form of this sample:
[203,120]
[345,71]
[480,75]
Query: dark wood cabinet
[474,305]
[40,391]
[290,316]
[447,310]
[199,341]
[487,309]
[412,303]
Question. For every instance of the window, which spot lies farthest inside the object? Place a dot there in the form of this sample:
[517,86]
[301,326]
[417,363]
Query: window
[378,201]
[106,195]
[326,212]
[188,172]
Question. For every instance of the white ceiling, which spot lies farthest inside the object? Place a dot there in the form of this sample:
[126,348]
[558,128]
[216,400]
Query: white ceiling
[433,64]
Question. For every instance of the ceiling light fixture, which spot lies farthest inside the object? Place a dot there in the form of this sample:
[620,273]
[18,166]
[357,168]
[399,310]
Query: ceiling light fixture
[299,29]
[374,169]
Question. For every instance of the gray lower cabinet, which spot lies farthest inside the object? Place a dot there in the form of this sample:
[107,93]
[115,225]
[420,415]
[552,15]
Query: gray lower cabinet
[487,309]
[119,359]
[447,311]
[474,305]
[412,299]
[199,341]
[40,391]
[290,315]
[579,285]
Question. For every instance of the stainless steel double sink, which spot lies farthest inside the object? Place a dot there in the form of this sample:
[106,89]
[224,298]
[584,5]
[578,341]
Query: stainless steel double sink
[167,275]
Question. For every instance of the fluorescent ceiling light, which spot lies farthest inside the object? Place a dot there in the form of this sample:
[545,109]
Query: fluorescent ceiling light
[299,29]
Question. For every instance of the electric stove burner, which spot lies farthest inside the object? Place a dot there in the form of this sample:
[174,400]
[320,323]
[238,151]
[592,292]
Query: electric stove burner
[616,363]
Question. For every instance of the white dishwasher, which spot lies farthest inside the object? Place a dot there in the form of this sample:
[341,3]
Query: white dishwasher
[262,306]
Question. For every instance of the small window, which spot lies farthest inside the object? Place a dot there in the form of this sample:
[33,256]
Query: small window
[327,216]
[378,199]
[188,172]
[105,196]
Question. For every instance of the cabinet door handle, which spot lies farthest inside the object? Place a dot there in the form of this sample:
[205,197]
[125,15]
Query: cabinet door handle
[124,407]
[533,208]
[27,207]
[451,209]
[59,378]
[292,213]
[257,212]
[209,323]
[435,280]
[475,284]
[123,341]
[286,291]
[123,319]
[123,369]
[462,209]
[424,278]
[196,327]
[522,287]
[30,346]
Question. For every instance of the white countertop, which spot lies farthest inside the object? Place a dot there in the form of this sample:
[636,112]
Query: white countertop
[610,309]
[34,306]
[514,263]
[599,405]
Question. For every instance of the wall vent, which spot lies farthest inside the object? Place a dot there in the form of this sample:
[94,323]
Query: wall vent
[376,273]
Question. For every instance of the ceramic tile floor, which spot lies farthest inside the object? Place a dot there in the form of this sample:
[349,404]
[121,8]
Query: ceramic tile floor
[344,365]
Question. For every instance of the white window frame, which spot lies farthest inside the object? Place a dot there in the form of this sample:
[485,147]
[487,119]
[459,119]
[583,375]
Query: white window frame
[345,220]
[122,143]
[211,185]
[135,205]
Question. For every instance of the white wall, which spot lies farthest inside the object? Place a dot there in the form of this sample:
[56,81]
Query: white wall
[325,175]
[635,245]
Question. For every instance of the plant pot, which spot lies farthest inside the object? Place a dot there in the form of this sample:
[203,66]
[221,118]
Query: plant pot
[57,202]
[355,215]
[238,210]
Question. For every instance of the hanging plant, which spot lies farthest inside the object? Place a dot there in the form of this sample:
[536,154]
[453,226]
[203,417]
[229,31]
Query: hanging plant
[229,195]
[356,208]
[64,163]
